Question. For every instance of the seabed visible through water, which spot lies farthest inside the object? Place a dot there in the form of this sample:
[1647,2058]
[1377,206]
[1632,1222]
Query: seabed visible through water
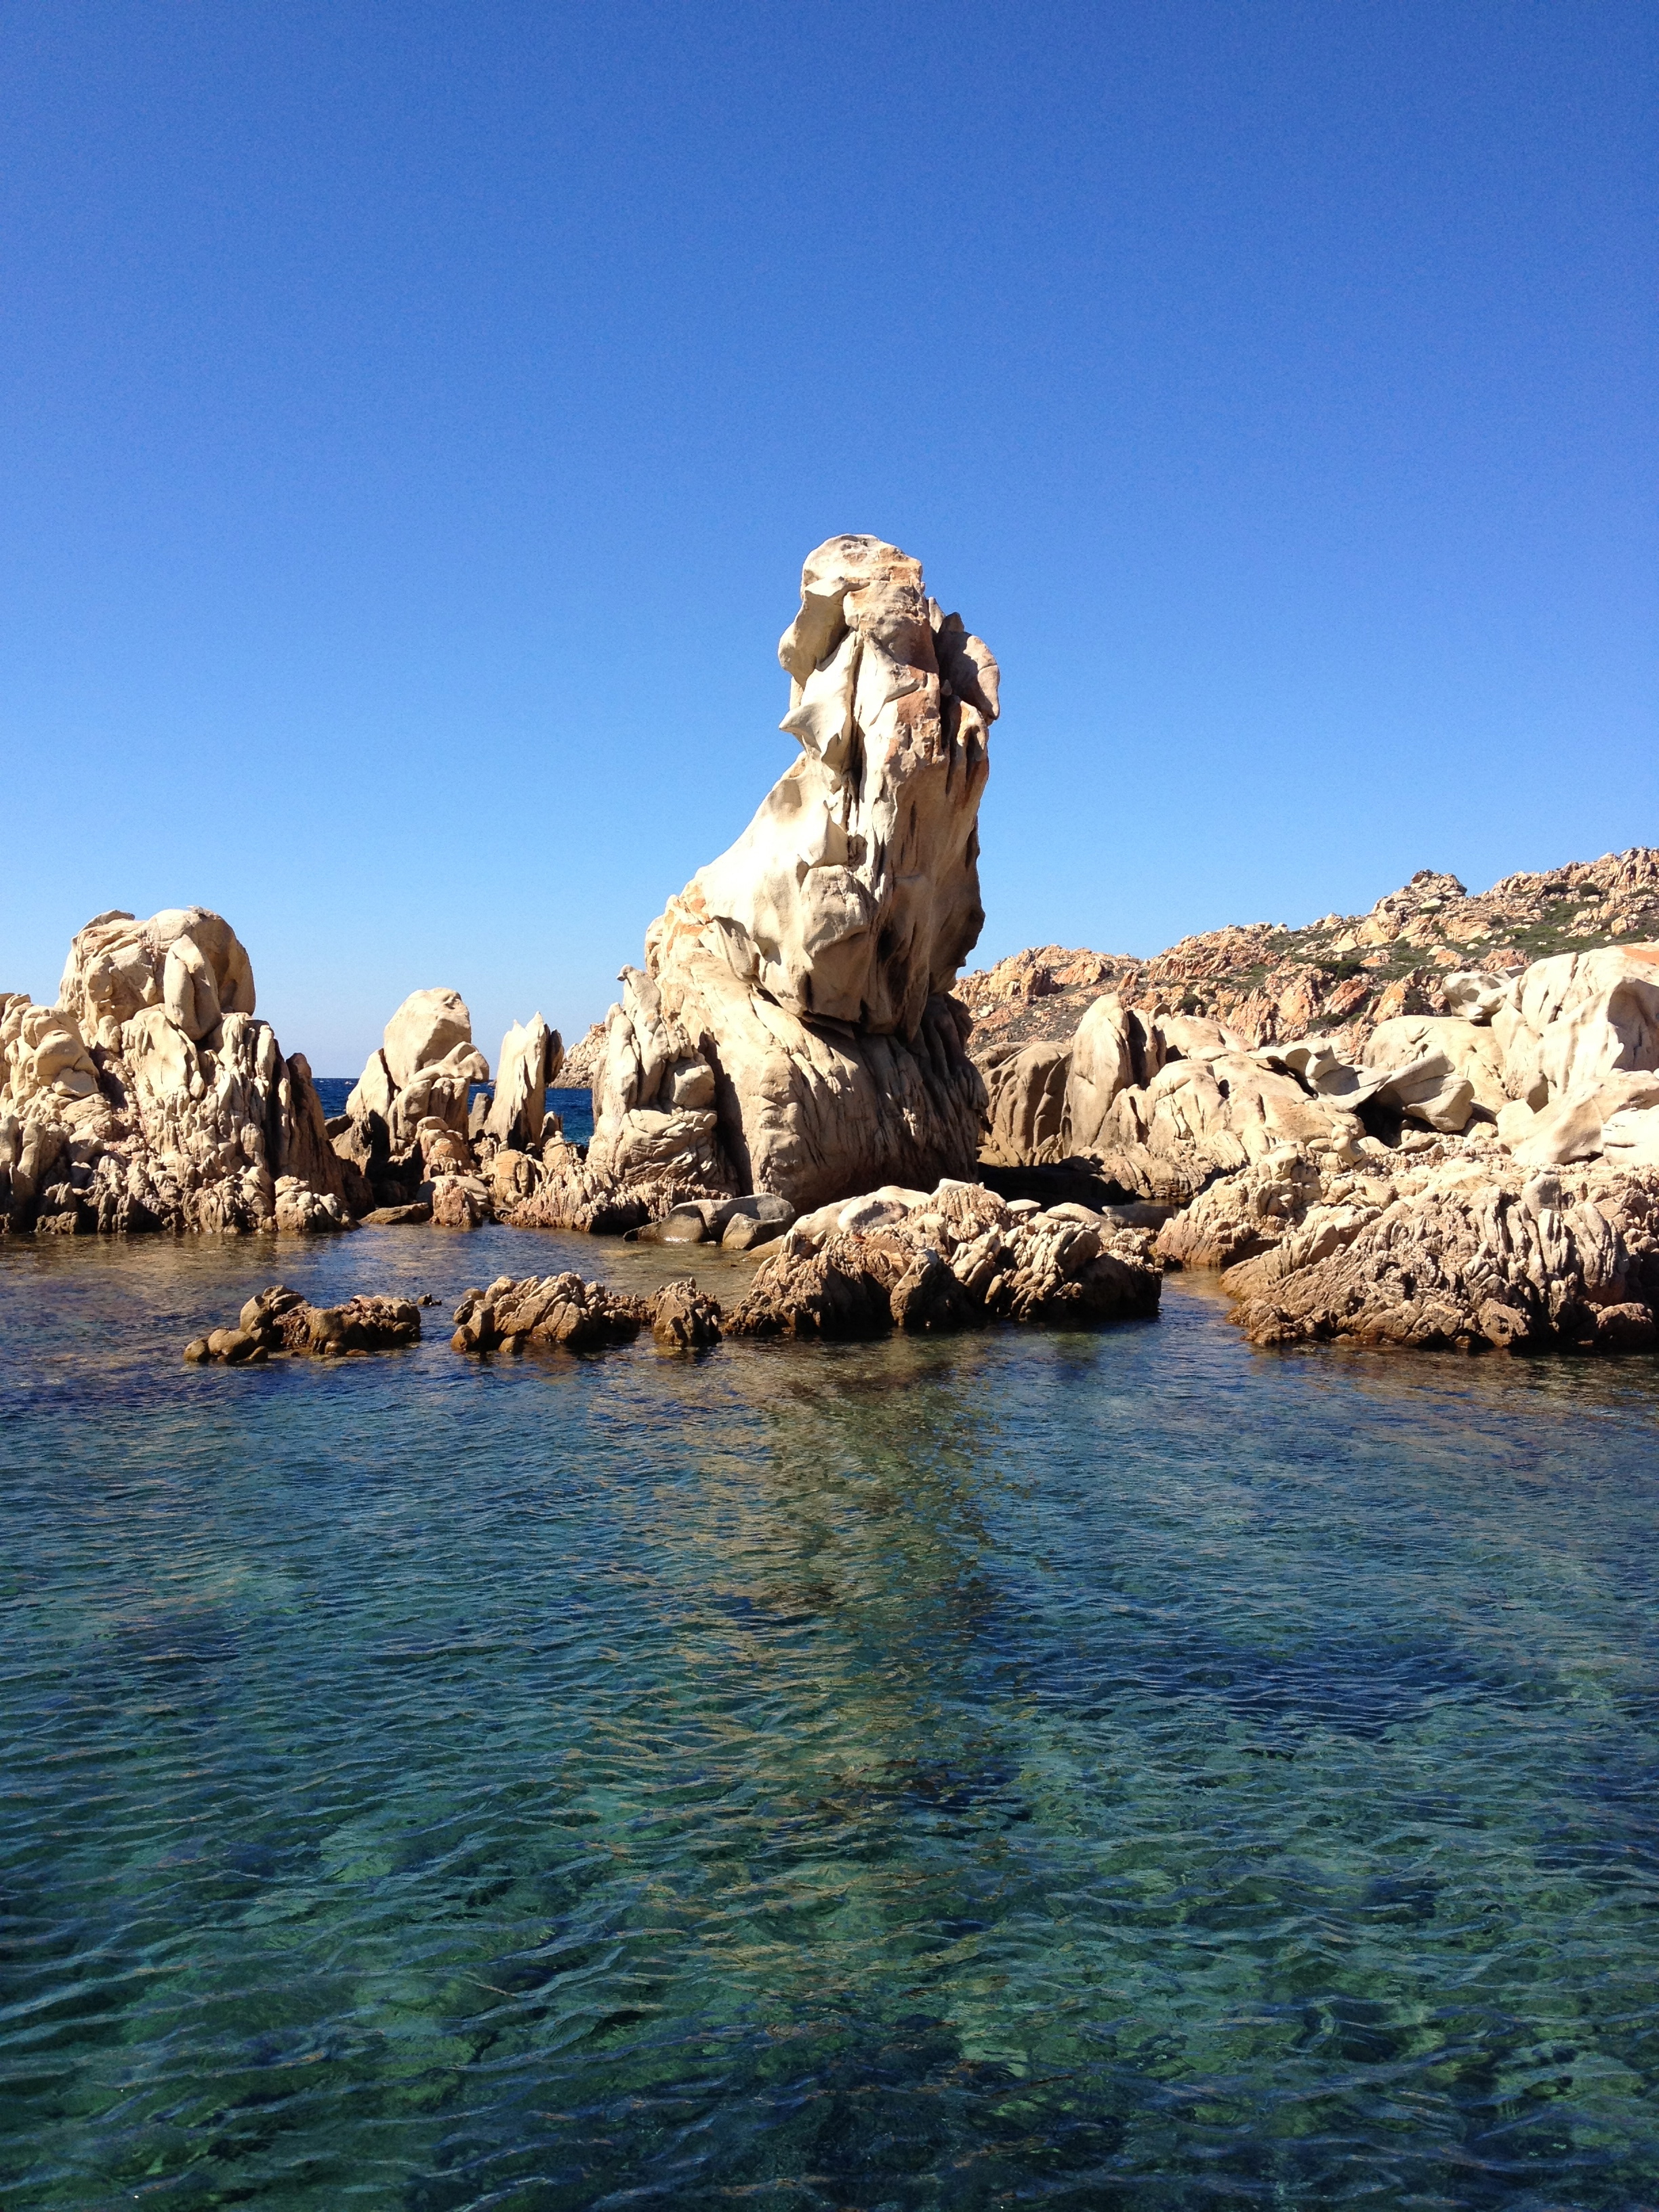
[1023,1769]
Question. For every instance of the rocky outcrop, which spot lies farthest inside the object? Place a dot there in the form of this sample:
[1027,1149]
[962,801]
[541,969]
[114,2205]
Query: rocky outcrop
[1420,950]
[407,1122]
[792,1030]
[1472,1252]
[925,1262]
[551,1310]
[953,1258]
[584,1059]
[150,1097]
[737,1224]
[1132,1087]
[185,960]
[1375,1194]
[424,1070]
[684,1319]
[1245,1213]
[277,1324]
[532,1055]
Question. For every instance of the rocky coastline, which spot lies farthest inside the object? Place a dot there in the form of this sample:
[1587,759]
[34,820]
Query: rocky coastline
[1433,1125]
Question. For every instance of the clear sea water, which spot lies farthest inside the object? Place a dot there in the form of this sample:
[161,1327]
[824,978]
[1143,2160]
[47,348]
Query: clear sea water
[1027,1770]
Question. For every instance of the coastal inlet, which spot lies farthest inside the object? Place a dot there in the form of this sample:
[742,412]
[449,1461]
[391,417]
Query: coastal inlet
[1031,1766]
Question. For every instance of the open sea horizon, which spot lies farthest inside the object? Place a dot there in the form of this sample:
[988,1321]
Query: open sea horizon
[1024,1769]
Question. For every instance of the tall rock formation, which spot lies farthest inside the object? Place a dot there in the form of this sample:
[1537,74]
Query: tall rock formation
[532,1055]
[793,1030]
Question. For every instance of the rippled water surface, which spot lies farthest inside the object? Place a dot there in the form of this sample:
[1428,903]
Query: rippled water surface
[1051,1770]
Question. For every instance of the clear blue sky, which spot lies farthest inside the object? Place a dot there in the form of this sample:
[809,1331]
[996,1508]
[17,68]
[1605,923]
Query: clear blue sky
[413,418]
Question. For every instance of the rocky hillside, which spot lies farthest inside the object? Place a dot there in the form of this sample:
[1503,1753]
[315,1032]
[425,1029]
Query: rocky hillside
[1342,974]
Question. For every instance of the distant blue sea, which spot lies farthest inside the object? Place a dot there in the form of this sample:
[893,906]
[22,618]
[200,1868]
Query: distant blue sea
[574,1108]
[1129,1773]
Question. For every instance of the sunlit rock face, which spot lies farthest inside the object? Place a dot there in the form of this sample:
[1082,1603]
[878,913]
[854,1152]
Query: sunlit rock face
[793,1030]
[150,1097]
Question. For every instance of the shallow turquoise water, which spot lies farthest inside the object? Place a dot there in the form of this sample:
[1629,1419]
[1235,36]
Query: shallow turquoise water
[1049,1769]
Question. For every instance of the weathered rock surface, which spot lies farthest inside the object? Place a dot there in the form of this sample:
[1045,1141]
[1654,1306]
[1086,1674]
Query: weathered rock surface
[560,1311]
[1572,1020]
[1471,1252]
[684,1318]
[278,1323]
[531,1055]
[406,1131]
[1244,1213]
[151,1097]
[792,1030]
[950,1259]
[424,1070]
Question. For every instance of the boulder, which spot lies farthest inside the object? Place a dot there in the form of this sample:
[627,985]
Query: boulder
[1114,1048]
[1577,1017]
[1026,1093]
[425,1030]
[187,959]
[1427,1089]
[1469,1050]
[1574,1127]
[1475,995]
[554,1310]
[683,1319]
[302,1211]
[458,1201]
[792,1030]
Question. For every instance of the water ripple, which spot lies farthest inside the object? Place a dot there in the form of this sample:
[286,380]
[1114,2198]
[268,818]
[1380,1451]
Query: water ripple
[1058,1769]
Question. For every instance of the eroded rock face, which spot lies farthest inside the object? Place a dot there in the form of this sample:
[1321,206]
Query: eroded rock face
[1471,1251]
[187,960]
[793,1030]
[424,1070]
[551,1310]
[277,1324]
[1577,1017]
[948,1258]
[532,1055]
[151,1097]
